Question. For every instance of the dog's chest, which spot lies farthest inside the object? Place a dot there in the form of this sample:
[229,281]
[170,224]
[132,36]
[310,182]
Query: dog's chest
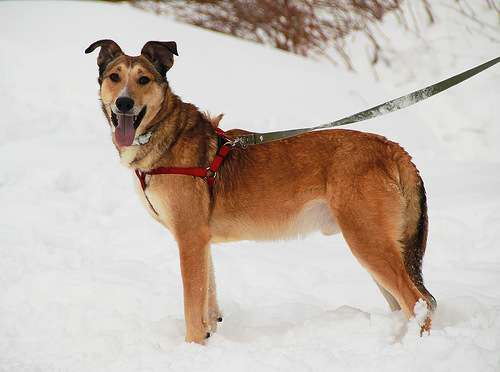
[175,201]
[157,207]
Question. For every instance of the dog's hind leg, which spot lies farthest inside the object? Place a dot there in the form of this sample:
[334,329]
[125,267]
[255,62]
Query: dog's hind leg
[381,257]
[393,304]
[386,238]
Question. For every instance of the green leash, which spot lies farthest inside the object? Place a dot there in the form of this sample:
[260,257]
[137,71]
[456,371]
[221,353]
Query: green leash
[379,110]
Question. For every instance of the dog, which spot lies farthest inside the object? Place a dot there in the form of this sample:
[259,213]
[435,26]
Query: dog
[356,183]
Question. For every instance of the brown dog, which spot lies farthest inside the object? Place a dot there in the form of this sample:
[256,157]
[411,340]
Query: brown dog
[337,180]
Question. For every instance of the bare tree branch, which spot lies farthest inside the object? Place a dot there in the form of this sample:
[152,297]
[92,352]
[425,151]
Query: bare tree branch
[304,27]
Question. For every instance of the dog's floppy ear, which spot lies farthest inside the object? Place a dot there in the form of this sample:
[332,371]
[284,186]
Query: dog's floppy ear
[160,54]
[109,51]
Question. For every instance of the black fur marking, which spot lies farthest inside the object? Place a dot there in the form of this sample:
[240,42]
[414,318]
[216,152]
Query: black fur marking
[140,117]
[114,119]
[415,249]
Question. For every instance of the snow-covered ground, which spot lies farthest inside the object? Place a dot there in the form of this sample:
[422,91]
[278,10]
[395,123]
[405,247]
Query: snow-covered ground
[89,282]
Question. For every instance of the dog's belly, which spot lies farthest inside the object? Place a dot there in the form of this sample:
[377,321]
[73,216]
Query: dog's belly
[313,216]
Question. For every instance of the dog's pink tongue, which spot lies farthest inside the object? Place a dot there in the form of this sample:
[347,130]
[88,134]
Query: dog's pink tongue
[125,131]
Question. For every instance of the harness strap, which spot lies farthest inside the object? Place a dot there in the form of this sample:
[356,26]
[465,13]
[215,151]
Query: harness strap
[208,174]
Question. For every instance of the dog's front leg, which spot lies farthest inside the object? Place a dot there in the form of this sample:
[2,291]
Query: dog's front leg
[195,268]
[214,312]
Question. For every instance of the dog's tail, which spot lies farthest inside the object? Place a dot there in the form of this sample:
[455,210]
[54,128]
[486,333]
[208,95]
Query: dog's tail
[414,239]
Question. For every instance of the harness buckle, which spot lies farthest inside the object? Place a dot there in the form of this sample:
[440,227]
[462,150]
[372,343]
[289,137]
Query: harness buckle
[211,175]
[238,141]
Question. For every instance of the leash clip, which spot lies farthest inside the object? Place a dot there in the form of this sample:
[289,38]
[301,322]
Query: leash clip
[238,141]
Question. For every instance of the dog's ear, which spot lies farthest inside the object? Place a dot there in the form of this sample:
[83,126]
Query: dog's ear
[109,51]
[160,54]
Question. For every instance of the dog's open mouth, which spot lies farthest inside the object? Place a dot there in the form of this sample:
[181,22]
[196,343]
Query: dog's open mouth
[126,126]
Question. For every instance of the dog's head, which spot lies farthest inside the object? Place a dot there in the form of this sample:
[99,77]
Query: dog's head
[132,88]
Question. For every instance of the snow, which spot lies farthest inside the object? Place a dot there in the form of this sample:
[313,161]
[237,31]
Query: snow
[89,282]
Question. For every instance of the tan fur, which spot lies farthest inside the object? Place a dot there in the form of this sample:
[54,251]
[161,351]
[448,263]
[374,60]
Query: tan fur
[337,180]
[215,121]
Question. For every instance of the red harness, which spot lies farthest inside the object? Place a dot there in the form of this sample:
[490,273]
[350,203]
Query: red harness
[208,174]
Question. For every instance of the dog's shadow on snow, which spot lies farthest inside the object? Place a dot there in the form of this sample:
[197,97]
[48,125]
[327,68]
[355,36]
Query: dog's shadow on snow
[299,321]
[304,323]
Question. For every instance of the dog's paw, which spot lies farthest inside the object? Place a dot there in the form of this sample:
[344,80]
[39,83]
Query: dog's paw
[199,338]
[213,324]
[214,318]
[425,327]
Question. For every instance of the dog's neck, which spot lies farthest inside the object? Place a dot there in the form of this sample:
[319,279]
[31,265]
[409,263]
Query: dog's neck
[180,136]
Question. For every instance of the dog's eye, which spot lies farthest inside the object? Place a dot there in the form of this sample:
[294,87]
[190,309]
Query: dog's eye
[143,80]
[114,77]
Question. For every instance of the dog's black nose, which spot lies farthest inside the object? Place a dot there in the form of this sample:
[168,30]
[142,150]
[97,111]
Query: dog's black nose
[124,104]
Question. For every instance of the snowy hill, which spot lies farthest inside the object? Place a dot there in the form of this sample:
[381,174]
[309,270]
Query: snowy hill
[89,282]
